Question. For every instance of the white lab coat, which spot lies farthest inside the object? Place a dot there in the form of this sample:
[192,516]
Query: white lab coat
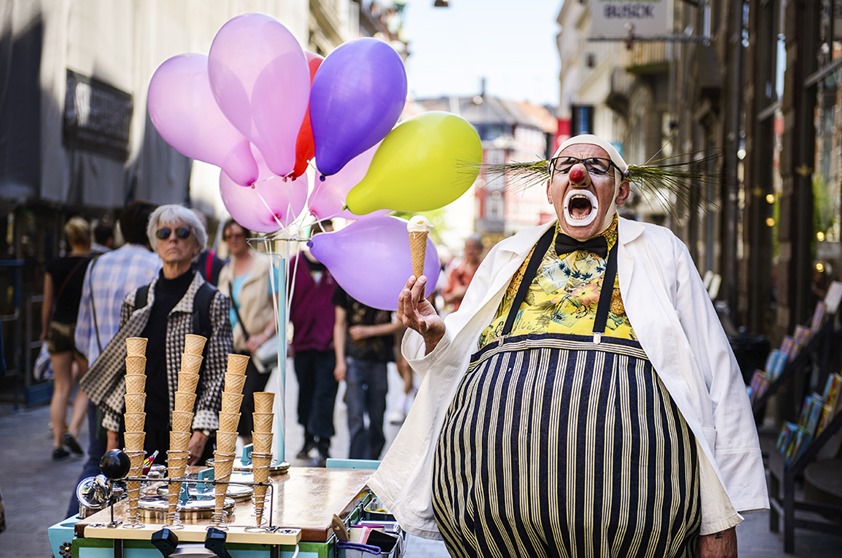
[676,326]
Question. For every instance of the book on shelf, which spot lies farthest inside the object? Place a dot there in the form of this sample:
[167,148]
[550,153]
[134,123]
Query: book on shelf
[824,420]
[786,436]
[800,337]
[759,384]
[811,411]
[775,363]
[789,347]
[798,445]
[833,297]
[832,388]
[818,317]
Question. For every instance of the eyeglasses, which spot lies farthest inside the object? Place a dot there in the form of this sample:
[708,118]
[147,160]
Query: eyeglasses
[233,235]
[595,165]
[181,233]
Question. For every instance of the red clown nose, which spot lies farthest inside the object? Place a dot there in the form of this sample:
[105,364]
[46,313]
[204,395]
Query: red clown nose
[577,175]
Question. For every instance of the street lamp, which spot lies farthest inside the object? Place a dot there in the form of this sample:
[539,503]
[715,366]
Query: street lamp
[440,4]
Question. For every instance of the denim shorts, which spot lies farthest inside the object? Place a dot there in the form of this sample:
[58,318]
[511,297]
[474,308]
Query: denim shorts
[60,338]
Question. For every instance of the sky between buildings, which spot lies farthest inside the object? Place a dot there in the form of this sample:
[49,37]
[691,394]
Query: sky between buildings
[512,43]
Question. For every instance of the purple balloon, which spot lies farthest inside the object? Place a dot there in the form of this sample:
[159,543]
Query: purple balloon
[370,259]
[357,97]
[269,205]
[184,112]
[261,80]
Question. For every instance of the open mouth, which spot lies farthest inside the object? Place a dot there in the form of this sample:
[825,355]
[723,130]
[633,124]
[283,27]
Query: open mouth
[580,208]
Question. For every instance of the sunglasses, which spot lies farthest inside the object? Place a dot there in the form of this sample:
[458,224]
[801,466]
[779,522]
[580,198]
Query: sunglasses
[232,235]
[595,165]
[181,233]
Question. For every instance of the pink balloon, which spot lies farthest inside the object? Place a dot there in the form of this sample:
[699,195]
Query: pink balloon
[261,81]
[371,260]
[184,112]
[328,197]
[269,205]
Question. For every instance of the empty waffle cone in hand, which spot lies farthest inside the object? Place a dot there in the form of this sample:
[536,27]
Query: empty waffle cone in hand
[228,421]
[231,402]
[136,346]
[136,383]
[185,401]
[226,442]
[237,363]
[190,363]
[263,421]
[187,382]
[135,402]
[182,421]
[262,442]
[264,401]
[180,440]
[133,441]
[135,365]
[135,422]
[234,382]
[194,344]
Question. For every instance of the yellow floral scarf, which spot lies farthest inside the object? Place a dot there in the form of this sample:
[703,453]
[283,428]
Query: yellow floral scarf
[563,296]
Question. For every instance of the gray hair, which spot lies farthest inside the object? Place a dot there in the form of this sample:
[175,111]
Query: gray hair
[172,214]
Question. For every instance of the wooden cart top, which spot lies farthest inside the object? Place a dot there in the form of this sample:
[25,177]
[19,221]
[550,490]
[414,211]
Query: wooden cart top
[304,498]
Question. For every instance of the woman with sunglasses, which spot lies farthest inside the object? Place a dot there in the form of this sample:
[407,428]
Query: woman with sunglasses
[166,317]
[583,400]
[245,279]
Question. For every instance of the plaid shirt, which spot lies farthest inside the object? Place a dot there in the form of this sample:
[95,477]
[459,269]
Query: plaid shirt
[115,274]
[105,382]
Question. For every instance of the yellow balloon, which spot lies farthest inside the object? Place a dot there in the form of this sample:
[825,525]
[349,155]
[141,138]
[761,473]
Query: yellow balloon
[424,163]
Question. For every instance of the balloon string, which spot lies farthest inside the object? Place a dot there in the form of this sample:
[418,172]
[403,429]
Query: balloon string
[271,212]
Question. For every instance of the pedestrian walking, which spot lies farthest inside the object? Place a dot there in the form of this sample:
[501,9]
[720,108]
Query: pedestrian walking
[108,279]
[62,292]
[313,317]
[364,343]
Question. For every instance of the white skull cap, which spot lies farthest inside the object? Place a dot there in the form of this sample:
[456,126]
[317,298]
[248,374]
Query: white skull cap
[590,139]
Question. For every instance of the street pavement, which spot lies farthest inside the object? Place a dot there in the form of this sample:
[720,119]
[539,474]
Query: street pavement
[36,490]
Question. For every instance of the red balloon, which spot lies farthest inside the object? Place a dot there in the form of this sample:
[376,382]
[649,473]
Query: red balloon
[305,147]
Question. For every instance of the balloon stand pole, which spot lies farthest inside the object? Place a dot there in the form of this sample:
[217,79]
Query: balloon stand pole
[279,273]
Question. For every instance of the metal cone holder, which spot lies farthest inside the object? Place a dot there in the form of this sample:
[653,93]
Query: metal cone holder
[260,471]
[221,461]
[133,490]
[175,458]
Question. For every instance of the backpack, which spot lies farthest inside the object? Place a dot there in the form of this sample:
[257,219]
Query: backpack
[201,307]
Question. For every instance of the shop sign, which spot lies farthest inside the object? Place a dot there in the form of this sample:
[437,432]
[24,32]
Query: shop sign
[620,18]
[97,117]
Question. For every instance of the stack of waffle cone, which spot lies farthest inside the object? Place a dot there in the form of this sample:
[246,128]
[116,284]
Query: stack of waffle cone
[231,401]
[228,421]
[234,383]
[237,364]
[187,382]
[260,462]
[136,383]
[223,464]
[136,459]
[418,249]
[185,401]
[264,401]
[182,421]
[136,346]
[135,422]
[262,442]
[194,344]
[176,468]
[263,421]
[190,363]
[136,365]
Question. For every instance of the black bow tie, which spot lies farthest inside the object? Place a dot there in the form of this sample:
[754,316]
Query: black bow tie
[565,244]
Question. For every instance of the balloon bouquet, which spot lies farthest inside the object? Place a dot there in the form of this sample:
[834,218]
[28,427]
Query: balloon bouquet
[261,108]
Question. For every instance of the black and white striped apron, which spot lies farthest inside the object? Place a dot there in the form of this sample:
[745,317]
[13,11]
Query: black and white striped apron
[555,445]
